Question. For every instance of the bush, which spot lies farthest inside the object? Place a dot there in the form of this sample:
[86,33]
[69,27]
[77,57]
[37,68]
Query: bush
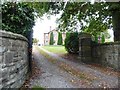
[59,39]
[51,39]
[17,17]
[103,39]
[72,43]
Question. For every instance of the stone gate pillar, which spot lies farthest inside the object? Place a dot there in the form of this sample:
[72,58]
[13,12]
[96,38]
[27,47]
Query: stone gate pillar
[85,53]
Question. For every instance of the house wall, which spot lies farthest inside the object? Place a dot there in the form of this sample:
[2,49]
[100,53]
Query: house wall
[55,34]
[63,37]
[13,60]
[46,38]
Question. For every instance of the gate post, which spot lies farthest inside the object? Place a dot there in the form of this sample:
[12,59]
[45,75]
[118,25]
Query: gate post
[29,37]
[85,53]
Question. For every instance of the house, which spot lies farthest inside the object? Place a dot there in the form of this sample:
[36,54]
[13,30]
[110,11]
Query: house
[55,37]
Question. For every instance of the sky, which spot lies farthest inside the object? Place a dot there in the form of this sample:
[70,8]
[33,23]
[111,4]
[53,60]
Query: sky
[43,26]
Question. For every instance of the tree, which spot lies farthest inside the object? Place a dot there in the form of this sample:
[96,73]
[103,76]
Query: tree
[97,17]
[72,43]
[59,39]
[51,38]
[17,17]
[35,40]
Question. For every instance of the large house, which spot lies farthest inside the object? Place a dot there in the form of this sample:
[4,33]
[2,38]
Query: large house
[55,37]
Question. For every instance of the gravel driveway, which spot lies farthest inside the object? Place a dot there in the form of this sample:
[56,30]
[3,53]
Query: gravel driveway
[54,77]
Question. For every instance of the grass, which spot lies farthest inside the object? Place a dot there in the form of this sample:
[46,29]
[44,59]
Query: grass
[50,58]
[38,88]
[58,49]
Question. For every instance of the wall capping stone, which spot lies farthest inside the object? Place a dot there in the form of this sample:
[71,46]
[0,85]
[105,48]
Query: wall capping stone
[5,34]
[107,43]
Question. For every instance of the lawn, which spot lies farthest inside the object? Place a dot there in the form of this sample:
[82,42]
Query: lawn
[58,49]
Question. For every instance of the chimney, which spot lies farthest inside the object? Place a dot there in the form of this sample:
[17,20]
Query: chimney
[50,28]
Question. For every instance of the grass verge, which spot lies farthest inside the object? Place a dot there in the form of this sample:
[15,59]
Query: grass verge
[58,49]
[37,88]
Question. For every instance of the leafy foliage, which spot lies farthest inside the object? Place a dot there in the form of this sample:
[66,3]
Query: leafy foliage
[93,18]
[59,39]
[96,18]
[35,40]
[84,12]
[72,43]
[103,39]
[96,38]
[51,38]
[17,17]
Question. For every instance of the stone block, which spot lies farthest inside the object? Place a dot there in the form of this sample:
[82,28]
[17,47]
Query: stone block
[1,59]
[14,71]
[5,86]
[6,42]
[86,41]
[5,73]
[5,80]
[8,57]
[16,53]
[13,48]
[86,48]
[15,59]
[12,76]
[86,59]
[3,49]
[86,53]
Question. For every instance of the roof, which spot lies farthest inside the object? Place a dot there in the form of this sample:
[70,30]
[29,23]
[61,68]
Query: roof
[54,30]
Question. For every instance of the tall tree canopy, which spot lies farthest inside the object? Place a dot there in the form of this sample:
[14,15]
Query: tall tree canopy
[19,17]
[93,18]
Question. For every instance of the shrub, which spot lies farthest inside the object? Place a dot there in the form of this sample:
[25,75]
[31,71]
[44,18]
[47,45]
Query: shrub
[17,17]
[59,39]
[51,39]
[72,43]
[103,39]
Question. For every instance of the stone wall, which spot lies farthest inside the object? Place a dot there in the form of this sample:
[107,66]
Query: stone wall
[13,60]
[107,54]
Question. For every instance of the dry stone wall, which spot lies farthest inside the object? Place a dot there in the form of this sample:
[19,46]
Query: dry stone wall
[13,60]
[107,54]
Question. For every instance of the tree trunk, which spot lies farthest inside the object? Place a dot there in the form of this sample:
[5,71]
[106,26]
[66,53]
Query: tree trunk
[116,24]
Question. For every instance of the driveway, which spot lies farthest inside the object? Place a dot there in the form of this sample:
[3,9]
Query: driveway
[66,74]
